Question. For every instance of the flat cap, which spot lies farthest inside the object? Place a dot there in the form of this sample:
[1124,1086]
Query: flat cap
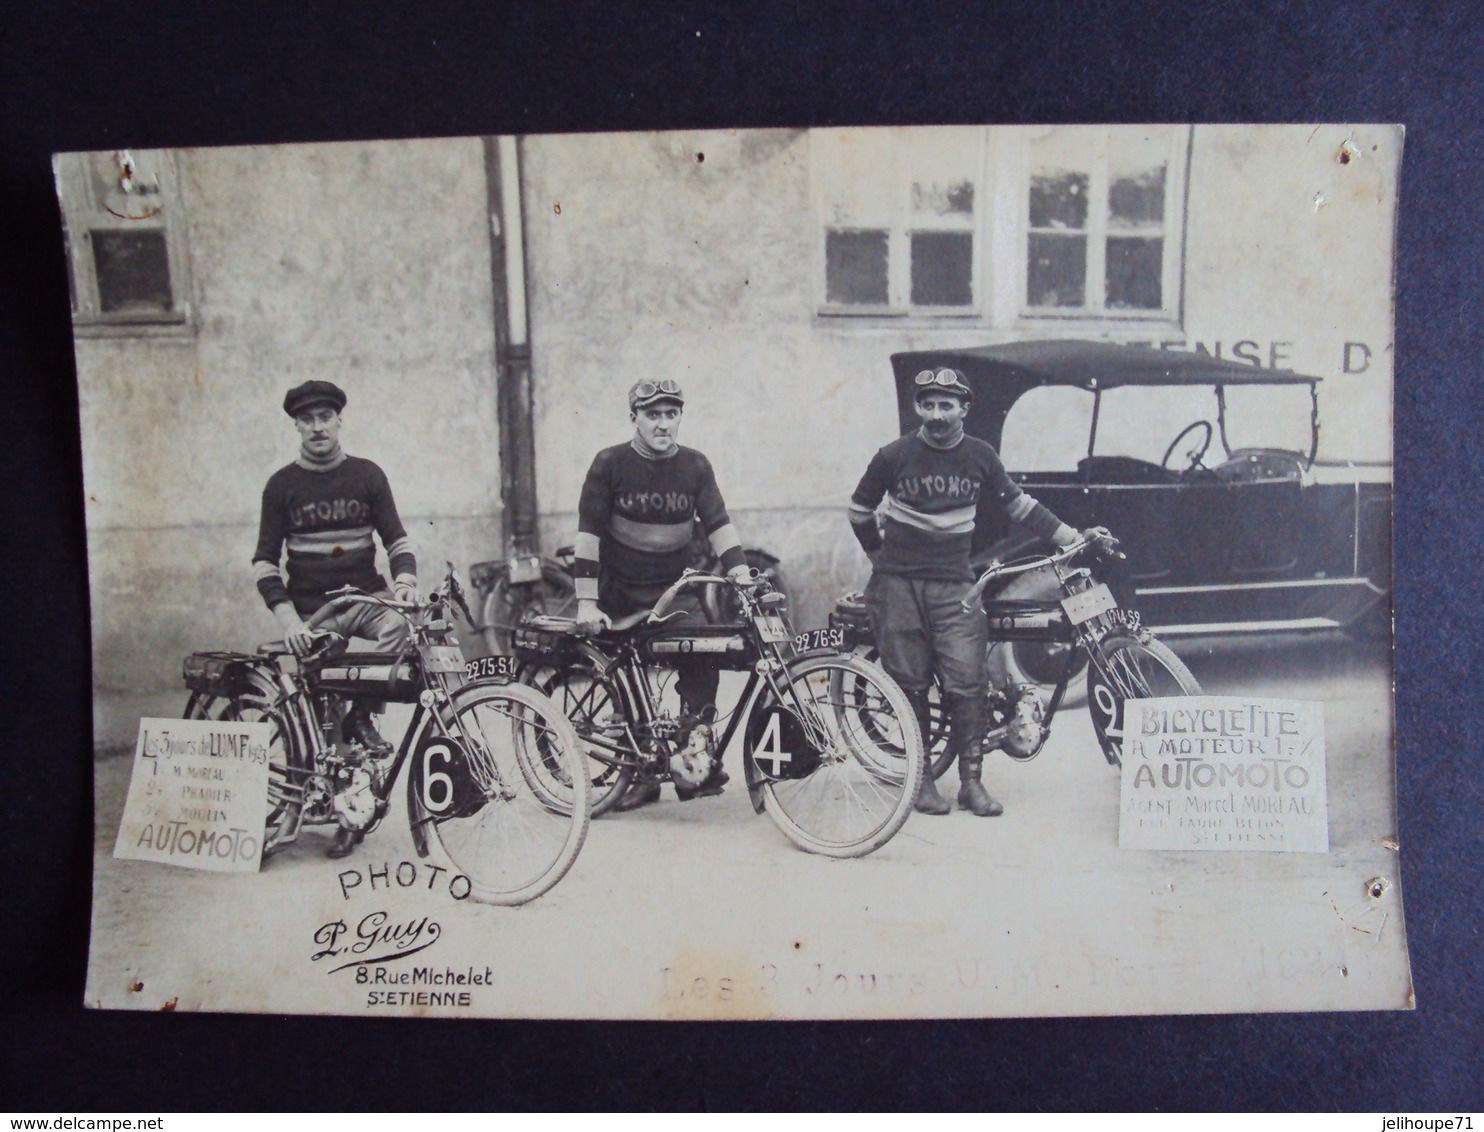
[300,397]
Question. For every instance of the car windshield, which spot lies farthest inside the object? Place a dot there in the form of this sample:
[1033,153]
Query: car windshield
[1047,429]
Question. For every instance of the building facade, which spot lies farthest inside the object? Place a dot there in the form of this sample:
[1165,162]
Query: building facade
[772,272]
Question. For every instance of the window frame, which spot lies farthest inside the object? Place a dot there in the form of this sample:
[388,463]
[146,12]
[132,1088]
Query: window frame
[82,216]
[1094,310]
[900,226]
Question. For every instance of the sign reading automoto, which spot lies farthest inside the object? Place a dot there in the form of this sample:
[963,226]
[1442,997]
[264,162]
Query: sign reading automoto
[1224,772]
[198,795]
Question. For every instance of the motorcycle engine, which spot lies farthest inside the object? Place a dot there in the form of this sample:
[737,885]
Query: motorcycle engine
[1024,722]
[355,805]
[692,763]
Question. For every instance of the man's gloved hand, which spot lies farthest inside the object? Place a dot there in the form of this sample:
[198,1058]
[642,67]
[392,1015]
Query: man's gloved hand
[404,588]
[1099,539]
[743,575]
[591,619]
[297,635]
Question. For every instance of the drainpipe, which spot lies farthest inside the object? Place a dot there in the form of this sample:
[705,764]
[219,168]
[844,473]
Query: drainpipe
[512,345]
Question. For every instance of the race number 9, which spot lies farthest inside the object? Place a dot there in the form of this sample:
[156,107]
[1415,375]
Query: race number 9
[437,786]
[1107,706]
[1105,709]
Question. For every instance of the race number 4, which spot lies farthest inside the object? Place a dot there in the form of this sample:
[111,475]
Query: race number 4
[770,746]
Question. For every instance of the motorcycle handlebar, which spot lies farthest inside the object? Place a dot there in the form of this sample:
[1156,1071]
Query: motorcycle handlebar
[997,570]
[693,578]
[341,601]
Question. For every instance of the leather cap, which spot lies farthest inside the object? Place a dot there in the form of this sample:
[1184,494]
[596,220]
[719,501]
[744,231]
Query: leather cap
[300,397]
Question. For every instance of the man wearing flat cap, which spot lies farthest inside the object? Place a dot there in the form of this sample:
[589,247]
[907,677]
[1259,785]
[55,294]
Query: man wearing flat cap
[325,507]
[640,502]
[927,486]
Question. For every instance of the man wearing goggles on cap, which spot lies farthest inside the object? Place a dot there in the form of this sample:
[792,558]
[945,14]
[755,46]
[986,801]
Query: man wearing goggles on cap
[325,507]
[928,485]
[639,503]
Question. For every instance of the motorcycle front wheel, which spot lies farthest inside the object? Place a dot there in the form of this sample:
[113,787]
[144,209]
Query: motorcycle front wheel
[838,759]
[473,803]
[1127,667]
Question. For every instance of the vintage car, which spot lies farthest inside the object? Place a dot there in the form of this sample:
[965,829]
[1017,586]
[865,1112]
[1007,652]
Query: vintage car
[1219,538]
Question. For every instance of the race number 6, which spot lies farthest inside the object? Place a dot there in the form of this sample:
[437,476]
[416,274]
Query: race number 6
[437,778]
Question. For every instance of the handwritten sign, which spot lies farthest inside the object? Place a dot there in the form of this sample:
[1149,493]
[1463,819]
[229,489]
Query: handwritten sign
[1224,772]
[198,796]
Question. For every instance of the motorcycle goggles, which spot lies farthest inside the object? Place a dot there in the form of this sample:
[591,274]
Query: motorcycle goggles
[648,392]
[948,380]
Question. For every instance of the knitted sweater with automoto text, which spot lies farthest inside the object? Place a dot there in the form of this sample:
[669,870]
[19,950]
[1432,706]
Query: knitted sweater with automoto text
[327,519]
[928,497]
[636,514]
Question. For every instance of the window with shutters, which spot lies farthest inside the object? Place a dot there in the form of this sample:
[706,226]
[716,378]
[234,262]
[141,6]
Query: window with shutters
[124,235]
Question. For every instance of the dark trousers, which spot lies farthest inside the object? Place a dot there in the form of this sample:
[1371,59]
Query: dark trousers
[922,630]
[386,629]
[696,679]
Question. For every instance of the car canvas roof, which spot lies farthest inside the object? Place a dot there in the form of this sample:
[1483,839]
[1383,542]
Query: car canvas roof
[998,375]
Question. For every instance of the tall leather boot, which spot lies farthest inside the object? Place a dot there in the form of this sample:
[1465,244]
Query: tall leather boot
[359,726]
[971,793]
[967,739]
[929,801]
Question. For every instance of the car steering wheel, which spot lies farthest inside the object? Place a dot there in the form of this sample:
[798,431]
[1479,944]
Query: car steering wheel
[1195,454]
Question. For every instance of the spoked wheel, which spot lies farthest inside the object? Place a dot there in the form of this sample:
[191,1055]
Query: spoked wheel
[839,760]
[507,604]
[936,739]
[592,704]
[286,774]
[472,801]
[1126,667]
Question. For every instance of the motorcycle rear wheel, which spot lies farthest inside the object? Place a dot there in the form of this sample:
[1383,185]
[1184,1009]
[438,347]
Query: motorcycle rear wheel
[592,703]
[287,768]
[507,604]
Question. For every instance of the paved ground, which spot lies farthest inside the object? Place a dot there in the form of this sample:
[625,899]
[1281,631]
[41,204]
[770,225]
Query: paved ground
[702,909]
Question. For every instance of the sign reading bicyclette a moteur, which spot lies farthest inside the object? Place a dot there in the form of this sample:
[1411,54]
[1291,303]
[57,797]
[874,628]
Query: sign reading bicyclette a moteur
[198,796]
[1224,772]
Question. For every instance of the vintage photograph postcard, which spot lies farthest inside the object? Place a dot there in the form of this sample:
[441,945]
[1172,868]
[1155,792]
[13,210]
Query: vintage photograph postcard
[787,573]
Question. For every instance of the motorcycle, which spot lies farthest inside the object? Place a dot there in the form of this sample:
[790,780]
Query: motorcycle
[1081,622]
[831,749]
[475,802]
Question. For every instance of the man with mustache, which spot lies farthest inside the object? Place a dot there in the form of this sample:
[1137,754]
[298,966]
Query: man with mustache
[639,504]
[325,507]
[931,481]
